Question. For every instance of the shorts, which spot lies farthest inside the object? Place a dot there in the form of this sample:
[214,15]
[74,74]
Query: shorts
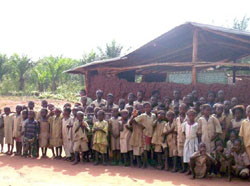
[80,146]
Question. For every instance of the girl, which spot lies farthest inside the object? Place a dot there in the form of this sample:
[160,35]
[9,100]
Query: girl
[238,113]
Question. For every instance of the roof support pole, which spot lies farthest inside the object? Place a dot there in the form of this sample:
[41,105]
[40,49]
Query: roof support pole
[86,80]
[195,56]
[234,73]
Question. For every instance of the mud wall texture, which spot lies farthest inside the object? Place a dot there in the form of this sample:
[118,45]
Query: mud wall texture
[121,87]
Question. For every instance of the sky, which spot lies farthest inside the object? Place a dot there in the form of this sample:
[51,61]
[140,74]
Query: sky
[39,28]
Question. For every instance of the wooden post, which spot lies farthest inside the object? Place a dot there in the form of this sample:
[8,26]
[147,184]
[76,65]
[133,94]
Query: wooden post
[195,56]
[234,73]
[86,81]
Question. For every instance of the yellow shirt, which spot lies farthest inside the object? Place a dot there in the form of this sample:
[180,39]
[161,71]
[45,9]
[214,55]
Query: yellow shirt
[100,137]
[245,132]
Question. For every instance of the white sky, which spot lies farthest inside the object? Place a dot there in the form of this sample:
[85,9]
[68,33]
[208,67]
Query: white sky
[71,27]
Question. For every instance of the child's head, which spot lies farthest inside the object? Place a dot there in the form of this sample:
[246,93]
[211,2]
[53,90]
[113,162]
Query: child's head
[96,110]
[131,97]
[202,148]
[25,107]
[44,112]
[100,115]
[221,95]
[234,102]
[206,110]
[227,105]
[121,104]
[170,116]
[89,109]
[233,136]
[210,97]
[67,105]
[237,145]
[177,94]
[66,111]
[238,111]
[167,101]
[191,113]
[219,109]
[183,108]
[219,146]
[19,108]
[24,114]
[202,100]
[140,95]
[110,98]
[124,114]
[197,106]
[80,115]
[248,111]
[44,103]
[74,111]
[84,100]
[31,115]
[58,112]
[147,107]
[6,110]
[153,101]
[51,107]
[82,92]
[31,105]
[115,112]
[161,114]
[99,94]
[139,107]
[195,94]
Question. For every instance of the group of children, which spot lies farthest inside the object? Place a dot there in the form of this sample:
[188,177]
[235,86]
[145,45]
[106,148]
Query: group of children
[197,135]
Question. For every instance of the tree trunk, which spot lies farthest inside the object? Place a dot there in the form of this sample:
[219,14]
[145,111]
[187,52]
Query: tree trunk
[53,88]
[21,83]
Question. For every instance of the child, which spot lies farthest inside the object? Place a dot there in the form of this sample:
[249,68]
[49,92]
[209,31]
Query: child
[110,103]
[67,124]
[80,138]
[24,118]
[44,105]
[125,134]
[100,141]
[8,119]
[245,131]
[201,162]
[241,163]
[44,132]
[17,130]
[131,99]
[1,131]
[170,131]
[99,101]
[84,101]
[211,98]
[221,118]
[157,138]
[228,117]
[114,128]
[147,120]
[177,98]
[189,129]
[140,96]
[56,133]
[30,135]
[209,128]
[230,142]
[238,112]
[121,104]
[180,135]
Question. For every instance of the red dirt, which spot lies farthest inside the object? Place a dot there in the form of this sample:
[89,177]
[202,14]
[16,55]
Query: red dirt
[20,171]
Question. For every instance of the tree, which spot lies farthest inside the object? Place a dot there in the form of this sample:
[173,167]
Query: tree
[40,76]
[241,24]
[112,50]
[19,68]
[3,65]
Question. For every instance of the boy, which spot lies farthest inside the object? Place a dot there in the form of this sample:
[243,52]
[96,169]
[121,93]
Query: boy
[211,98]
[177,98]
[121,104]
[30,135]
[209,128]
[110,103]
[201,162]
[1,132]
[80,138]
[245,131]
[67,124]
[170,131]
[84,104]
[99,101]
[238,113]
[180,135]
[44,105]
[114,128]
[17,129]
[140,96]
[220,97]
[157,138]
[56,133]
[100,141]
[131,99]
[8,120]
[147,120]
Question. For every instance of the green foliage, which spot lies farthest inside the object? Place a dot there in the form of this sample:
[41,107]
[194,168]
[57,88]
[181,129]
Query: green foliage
[3,65]
[241,24]
[112,50]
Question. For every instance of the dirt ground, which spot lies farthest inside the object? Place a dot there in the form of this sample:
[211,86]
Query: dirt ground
[18,171]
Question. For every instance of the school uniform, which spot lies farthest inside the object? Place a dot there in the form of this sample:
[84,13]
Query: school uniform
[158,138]
[245,134]
[171,139]
[55,131]
[125,135]
[180,135]
[98,104]
[17,128]
[44,133]
[8,128]
[80,137]
[207,129]
[115,130]
[242,163]
[191,141]
[148,123]
[100,141]
[67,125]
[235,125]
[137,102]
[136,139]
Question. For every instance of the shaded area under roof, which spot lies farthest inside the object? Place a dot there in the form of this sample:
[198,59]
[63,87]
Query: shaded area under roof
[214,44]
